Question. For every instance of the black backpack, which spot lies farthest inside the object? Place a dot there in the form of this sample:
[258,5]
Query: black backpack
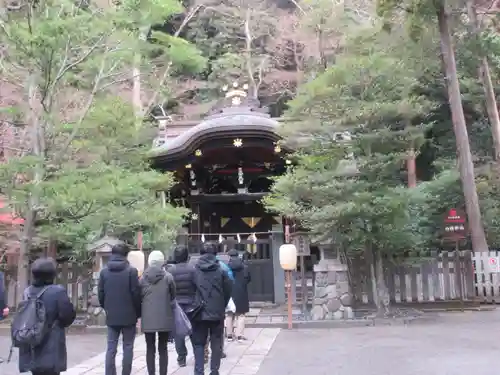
[29,325]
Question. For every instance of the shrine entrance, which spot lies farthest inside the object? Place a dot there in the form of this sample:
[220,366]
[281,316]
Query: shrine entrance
[224,167]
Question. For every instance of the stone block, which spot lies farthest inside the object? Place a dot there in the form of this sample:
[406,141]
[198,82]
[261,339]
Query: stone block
[317,313]
[348,313]
[332,277]
[346,299]
[319,301]
[342,277]
[321,279]
[338,315]
[333,304]
[331,291]
[94,301]
[342,287]
[320,292]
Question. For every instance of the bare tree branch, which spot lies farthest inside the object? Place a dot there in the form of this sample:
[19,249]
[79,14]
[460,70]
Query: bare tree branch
[165,74]
[248,54]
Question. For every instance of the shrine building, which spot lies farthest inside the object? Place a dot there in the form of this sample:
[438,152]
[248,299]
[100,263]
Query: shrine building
[224,166]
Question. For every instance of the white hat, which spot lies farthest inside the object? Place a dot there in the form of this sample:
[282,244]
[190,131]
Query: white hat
[156,258]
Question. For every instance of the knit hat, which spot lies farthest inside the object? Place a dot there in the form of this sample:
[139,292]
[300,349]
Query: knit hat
[156,258]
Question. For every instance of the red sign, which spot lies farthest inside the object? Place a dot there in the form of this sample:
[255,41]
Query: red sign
[455,225]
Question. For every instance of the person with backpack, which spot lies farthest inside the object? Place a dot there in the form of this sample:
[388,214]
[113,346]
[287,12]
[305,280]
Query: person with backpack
[213,293]
[157,317]
[119,295]
[42,341]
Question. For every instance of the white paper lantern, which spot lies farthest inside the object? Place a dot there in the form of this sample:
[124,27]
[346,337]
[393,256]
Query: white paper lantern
[137,260]
[288,257]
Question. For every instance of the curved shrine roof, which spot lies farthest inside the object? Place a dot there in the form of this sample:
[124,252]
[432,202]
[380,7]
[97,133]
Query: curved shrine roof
[237,122]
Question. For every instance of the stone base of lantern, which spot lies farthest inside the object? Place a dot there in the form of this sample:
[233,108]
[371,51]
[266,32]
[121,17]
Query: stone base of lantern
[332,296]
[96,316]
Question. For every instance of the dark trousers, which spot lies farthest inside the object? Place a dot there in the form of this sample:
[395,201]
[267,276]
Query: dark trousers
[151,351]
[128,337]
[201,331]
[44,373]
[180,348]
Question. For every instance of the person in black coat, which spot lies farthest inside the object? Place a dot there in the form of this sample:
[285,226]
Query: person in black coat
[183,274]
[49,358]
[214,289]
[235,322]
[119,295]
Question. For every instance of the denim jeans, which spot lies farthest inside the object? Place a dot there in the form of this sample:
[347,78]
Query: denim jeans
[128,337]
[201,331]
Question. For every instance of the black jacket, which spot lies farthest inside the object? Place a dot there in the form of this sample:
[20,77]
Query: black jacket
[214,287]
[119,292]
[3,296]
[51,355]
[241,276]
[183,274]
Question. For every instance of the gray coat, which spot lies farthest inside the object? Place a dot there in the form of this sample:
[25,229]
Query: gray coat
[158,293]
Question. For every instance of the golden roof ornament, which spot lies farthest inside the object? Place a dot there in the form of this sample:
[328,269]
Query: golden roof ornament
[237,93]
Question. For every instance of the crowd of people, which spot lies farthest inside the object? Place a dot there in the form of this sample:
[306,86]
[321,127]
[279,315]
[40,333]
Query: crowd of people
[213,295]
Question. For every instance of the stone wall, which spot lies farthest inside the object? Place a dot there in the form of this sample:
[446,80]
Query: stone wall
[332,297]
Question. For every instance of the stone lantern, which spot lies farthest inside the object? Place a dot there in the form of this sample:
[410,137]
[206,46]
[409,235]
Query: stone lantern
[102,250]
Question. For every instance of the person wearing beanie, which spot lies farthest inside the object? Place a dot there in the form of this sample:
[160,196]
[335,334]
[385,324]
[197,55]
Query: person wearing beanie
[49,358]
[157,315]
[119,294]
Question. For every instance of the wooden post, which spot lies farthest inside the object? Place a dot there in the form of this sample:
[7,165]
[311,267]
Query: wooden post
[459,273]
[303,284]
[289,292]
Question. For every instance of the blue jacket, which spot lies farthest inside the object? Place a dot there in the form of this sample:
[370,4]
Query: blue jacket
[226,269]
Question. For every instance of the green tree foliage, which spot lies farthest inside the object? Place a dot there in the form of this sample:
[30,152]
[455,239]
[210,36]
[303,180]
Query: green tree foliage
[80,170]
[352,192]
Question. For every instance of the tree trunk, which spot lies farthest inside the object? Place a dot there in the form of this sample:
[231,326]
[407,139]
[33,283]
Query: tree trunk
[37,143]
[23,271]
[136,93]
[489,92]
[460,129]
[411,168]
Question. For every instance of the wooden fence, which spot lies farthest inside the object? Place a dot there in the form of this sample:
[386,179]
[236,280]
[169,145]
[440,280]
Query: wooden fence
[74,277]
[445,276]
[438,277]
[487,282]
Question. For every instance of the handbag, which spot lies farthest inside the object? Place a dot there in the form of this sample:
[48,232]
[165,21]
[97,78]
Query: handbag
[183,326]
[231,307]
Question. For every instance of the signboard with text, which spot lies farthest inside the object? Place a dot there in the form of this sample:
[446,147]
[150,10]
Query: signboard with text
[455,225]
[494,264]
[301,242]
